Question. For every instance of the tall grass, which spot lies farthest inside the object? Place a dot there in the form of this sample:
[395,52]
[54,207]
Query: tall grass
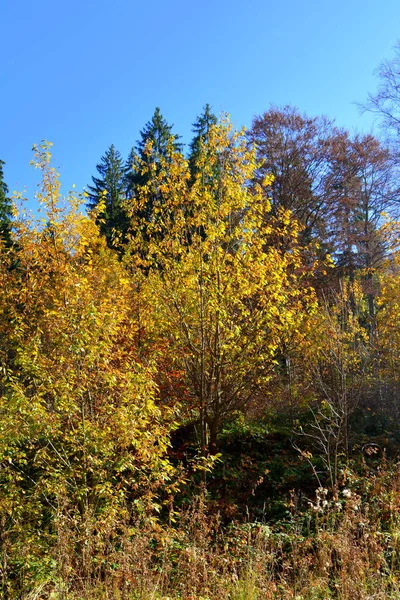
[344,545]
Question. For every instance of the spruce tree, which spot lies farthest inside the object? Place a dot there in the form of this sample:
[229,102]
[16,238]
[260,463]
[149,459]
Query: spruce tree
[5,211]
[109,187]
[201,153]
[153,148]
[200,129]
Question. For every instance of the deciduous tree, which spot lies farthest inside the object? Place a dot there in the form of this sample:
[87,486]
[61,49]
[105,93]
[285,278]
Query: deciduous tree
[386,101]
[83,441]
[293,148]
[226,300]
[361,186]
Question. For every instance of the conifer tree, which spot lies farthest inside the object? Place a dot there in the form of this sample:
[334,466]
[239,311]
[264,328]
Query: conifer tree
[5,211]
[154,147]
[109,188]
[201,129]
[128,172]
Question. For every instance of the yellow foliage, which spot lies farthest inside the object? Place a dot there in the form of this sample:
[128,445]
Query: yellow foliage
[225,295]
[80,428]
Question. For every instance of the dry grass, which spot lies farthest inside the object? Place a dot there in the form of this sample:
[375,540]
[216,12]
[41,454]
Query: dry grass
[345,547]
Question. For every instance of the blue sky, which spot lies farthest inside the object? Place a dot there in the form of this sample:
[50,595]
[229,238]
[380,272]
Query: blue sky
[85,74]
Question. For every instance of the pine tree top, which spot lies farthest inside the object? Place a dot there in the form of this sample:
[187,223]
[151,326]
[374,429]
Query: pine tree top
[111,171]
[159,133]
[5,209]
[200,128]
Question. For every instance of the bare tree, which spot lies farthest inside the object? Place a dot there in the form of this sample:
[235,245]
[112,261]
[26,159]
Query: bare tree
[386,101]
[293,147]
[338,370]
[360,186]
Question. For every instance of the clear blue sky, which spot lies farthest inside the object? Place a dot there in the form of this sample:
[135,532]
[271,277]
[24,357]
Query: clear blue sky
[85,74]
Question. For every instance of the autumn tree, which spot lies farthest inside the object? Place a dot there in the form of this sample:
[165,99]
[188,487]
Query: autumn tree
[83,441]
[361,185]
[387,340]
[336,365]
[224,302]
[293,148]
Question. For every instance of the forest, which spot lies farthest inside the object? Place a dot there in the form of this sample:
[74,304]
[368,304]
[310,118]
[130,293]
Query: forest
[200,366]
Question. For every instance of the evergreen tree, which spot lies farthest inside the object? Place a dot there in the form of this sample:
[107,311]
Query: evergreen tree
[148,158]
[5,211]
[201,128]
[128,172]
[109,187]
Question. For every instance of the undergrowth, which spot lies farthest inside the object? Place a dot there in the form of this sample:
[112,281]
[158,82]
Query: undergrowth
[343,544]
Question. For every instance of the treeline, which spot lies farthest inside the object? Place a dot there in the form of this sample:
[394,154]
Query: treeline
[216,324]
[336,184]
